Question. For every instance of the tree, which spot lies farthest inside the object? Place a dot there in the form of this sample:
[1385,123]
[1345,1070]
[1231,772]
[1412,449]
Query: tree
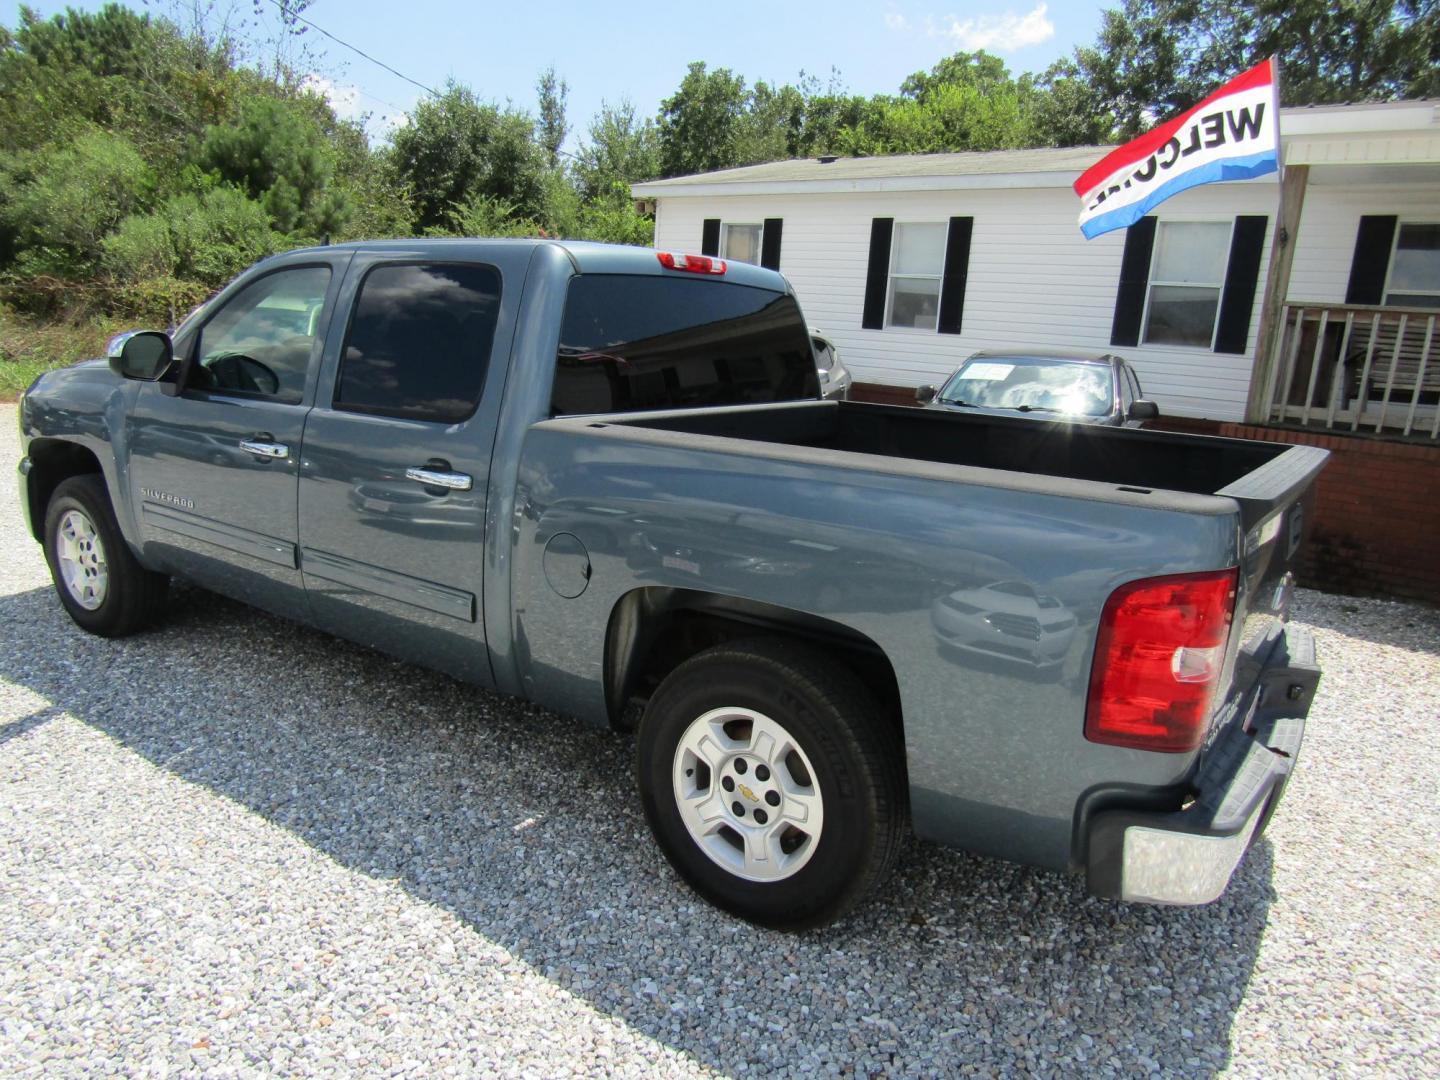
[115,70]
[827,112]
[1067,109]
[65,197]
[146,158]
[287,51]
[1154,58]
[363,179]
[980,70]
[276,154]
[456,148]
[552,128]
[622,149]
[967,101]
[771,126]
[700,123]
[1425,43]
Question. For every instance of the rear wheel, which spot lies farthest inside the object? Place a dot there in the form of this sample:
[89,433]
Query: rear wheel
[99,581]
[772,782]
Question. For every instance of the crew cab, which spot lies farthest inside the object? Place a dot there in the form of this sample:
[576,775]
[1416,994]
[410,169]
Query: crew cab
[601,478]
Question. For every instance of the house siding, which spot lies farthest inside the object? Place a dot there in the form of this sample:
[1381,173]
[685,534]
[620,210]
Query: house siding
[1034,281]
[1326,238]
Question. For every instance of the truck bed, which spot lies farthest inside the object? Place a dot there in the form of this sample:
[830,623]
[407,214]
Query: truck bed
[1257,475]
[889,524]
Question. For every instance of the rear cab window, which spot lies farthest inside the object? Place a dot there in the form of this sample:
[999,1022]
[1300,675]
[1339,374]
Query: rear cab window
[633,342]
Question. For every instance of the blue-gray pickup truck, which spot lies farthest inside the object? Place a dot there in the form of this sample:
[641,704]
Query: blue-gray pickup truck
[603,479]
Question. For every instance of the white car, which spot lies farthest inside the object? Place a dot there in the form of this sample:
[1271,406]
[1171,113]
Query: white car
[1049,384]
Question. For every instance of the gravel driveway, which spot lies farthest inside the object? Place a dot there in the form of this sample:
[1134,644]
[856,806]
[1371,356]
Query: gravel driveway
[238,847]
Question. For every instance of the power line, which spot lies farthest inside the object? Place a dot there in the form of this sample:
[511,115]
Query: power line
[359,52]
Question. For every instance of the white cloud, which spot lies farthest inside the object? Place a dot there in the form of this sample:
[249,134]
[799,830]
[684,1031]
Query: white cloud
[998,33]
[344,99]
[895,21]
[380,123]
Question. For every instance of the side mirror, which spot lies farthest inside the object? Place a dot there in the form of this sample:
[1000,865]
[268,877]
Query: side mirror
[925,394]
[142,354]
[1140,409]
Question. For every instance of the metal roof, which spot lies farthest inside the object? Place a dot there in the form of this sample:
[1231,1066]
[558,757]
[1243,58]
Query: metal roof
[1074,159]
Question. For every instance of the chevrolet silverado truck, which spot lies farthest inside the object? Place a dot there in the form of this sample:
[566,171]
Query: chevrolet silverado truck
[603,479]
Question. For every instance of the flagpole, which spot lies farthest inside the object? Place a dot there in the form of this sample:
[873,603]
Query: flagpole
[1279,148]
[1271,332]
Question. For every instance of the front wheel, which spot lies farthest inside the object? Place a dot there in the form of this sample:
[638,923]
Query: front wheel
[101,584]
[772,781]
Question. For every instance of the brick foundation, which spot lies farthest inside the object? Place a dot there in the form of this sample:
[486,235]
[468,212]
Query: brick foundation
[879,394]
[1377,511]
[1377,506]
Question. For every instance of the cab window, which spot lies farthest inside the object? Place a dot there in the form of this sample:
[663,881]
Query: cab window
[419,342]
[633,343]
[262,342]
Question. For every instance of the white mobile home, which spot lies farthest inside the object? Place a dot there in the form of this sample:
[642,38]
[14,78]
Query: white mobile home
[911,263]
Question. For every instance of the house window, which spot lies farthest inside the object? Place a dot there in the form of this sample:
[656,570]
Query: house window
[917,263]
[1414,279]
[1187,273]
[741,243]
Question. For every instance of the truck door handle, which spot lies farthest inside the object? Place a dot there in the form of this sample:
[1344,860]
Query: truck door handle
[261,446]
[440,478]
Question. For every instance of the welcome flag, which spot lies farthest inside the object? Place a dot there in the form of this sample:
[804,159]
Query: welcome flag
[1234,134]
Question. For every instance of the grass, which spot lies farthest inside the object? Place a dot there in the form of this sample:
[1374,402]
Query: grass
[29,347]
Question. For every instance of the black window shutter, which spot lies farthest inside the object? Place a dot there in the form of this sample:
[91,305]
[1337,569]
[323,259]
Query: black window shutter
[710,237]
[1373,241]
[1134,278]
[1237,299]
[957,269]
[770,244]
[877,277]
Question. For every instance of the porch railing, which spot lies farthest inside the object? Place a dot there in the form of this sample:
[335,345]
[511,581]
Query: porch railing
[1350,367]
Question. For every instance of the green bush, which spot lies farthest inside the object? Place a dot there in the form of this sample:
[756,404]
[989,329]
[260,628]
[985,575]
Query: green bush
[207,238]
[156,303]
[616,222]
[483,215]
[65,198]
[140,248]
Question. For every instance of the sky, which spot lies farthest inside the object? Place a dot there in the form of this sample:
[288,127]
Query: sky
[607,52]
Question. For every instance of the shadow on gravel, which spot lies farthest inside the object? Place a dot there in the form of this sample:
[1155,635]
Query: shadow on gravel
[26,724]
[526,826]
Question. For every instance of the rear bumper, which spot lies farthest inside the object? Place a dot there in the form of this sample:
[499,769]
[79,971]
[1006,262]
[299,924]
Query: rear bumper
[1187,856]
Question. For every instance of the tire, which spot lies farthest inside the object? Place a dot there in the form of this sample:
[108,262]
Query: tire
[99,581]
[733,829]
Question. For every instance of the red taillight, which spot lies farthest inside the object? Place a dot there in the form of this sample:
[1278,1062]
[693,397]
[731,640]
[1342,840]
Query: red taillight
[1157,659]
[696,264]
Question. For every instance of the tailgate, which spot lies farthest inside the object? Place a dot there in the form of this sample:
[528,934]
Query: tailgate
[1276,508]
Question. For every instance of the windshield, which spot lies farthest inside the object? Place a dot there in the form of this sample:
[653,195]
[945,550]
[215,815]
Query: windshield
[1029,383]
